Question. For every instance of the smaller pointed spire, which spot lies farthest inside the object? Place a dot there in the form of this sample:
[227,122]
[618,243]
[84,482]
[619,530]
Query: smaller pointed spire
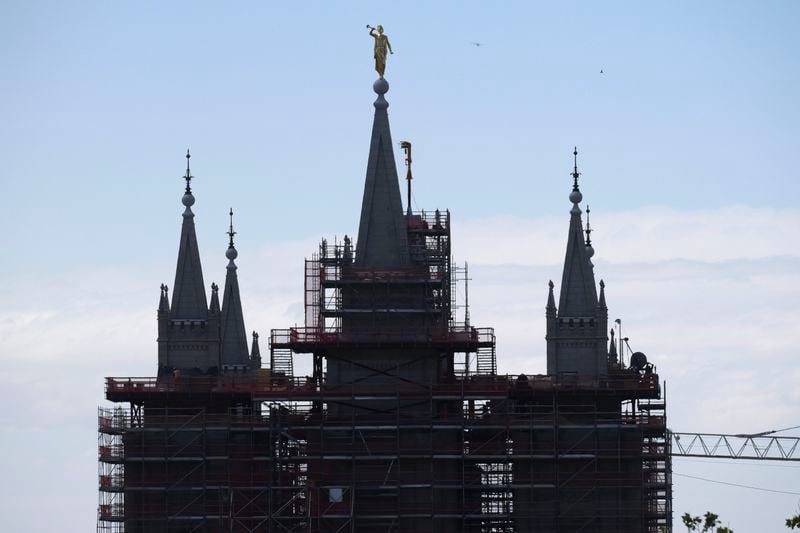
[551,300]
[602,301]
[163,304]
[255,354]
[214,307]
[255,351]
[234,335]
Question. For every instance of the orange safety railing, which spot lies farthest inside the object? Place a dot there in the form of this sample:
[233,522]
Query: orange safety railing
[112,482]
[437,220]
[111,511]
[458,333]
[111,452]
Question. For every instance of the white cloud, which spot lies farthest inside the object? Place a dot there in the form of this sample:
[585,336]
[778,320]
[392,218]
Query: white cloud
[641,235]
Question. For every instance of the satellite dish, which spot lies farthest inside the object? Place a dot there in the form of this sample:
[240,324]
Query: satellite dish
[638,361]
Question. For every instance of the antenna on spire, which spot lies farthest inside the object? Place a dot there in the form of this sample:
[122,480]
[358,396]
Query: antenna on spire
[188,177]
[575,172]
[575,196]
[588,229]
[406,146]
[231,233]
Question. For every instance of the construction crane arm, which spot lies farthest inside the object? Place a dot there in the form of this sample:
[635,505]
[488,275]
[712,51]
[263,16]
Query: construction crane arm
[760,446]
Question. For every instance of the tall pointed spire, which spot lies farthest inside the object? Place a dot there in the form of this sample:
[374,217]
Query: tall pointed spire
[189,294]
[382,238]
[578,292]
[234,336]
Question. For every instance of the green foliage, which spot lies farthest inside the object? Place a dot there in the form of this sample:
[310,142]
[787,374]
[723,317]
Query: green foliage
[793,522]
[710,523]
[710,520]
[691,522]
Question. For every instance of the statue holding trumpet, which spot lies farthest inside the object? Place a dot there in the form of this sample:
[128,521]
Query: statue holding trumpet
[381,46]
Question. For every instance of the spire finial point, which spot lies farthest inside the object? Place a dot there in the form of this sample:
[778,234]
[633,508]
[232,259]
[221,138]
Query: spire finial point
[575,196]
[588,229]
[188,197]
[231,253]
[188,177]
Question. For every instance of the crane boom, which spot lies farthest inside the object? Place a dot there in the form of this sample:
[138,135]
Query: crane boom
[743,446]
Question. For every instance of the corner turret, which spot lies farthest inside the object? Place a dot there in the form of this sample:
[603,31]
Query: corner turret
[188,332]
[576,330]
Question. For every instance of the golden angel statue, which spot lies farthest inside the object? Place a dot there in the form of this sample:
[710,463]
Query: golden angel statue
[382,44]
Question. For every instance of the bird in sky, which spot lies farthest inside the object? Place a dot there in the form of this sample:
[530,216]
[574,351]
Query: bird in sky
[475,43]
[601,71]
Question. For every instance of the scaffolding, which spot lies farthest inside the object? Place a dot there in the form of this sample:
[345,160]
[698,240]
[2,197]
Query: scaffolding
[404,424]
[479,455]
[331,275]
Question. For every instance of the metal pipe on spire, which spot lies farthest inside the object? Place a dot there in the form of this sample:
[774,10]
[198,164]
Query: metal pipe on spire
[406,146]
[588,229]
[188,177]
[575,196]
[575,172]
[231,233]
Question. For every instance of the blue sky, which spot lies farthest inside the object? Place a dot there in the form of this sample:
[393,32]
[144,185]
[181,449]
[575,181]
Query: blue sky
[688,148]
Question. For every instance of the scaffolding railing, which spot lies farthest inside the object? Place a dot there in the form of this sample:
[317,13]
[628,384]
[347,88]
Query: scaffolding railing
[306,387]
[456,334]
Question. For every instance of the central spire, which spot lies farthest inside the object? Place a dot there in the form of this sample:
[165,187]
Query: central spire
[382,238]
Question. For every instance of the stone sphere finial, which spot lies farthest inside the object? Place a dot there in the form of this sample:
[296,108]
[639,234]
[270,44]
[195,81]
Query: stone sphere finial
[381,86]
